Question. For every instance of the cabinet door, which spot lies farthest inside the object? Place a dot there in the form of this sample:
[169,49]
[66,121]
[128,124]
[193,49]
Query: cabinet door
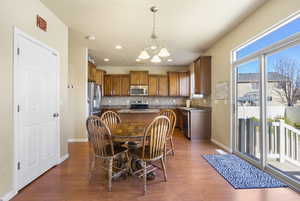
[125,85]
[184,78]
[134,78]
[153,85]
[107,85]
[116,85]
[143,78]
[202,68]
[173,83]
[163,86]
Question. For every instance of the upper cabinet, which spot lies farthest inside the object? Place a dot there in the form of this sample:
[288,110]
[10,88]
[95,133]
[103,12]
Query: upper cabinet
[174,84]
[95,75]
[116,85]
[158,85]
[202,69]
[138,77]
[184,83]
[179,83]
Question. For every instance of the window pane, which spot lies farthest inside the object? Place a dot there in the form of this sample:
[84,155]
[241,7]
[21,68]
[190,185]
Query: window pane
[283,32]
[283,111]
[248,108]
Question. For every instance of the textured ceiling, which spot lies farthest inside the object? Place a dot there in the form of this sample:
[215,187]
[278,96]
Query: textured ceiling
[185,27]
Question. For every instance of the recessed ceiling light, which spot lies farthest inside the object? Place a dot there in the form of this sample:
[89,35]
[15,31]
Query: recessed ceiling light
[138,60]
[170,60]
[91,37]
[119,47]
[106,59]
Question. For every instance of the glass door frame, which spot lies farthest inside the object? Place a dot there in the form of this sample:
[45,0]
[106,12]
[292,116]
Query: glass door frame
[261,56]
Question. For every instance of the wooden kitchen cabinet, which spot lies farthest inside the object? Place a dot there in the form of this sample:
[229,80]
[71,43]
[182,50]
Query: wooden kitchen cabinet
[108,85]
[124,85]
[163,85]
[116,85]
[202,73]
[173,84]
[99,77]
[139,78]
[91,72]
[158,85]
[179,83]
[184,83]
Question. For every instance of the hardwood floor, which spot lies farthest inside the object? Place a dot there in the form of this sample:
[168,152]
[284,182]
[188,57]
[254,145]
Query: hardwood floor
[190,178]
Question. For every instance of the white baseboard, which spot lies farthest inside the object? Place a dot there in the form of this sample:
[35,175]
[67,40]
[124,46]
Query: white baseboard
[8,196]
[63,158]
[221,145]
[78,139]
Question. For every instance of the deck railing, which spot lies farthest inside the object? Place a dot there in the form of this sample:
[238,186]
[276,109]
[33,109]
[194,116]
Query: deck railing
[282,140]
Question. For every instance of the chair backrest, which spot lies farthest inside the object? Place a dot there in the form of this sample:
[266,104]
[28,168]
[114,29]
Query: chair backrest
[99,137]
[172,117]
[155,137]
[111,118]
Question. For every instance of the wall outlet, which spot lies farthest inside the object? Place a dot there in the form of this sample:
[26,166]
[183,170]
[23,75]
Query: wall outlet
[109,101]
[156,100]
[174,101]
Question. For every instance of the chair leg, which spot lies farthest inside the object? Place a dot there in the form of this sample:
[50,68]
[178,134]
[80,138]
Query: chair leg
[128,163]
[145,177]
[164,168]
[110,174]
[166,153]
[92,166]
[172,146]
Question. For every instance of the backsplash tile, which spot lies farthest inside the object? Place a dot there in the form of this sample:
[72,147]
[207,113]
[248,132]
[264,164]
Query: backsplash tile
[206,101]
[125,100]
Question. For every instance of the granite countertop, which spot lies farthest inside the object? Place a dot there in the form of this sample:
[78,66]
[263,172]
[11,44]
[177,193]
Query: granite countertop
[157,107]
[150,106]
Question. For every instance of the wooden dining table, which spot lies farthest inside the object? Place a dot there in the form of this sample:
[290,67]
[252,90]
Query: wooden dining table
[131,133]
[128,131]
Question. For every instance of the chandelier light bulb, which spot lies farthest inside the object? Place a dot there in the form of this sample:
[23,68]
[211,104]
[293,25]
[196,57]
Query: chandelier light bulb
[144,55]
[153,47]
[164,52]
[156,59]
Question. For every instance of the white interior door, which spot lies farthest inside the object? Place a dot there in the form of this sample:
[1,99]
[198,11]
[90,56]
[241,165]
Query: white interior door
[36,100]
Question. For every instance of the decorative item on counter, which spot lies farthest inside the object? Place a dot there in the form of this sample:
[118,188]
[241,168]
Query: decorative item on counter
[188,103]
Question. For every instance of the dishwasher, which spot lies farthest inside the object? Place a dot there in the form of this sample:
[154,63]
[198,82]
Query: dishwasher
[186,123]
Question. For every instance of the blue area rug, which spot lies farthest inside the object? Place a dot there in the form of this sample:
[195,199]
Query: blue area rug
[240,174]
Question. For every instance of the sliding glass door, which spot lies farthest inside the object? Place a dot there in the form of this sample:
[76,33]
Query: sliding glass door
[266,97]
[283,111]
[248,109]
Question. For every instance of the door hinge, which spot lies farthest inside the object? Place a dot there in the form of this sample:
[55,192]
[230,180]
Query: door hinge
[18,51]
[18,108]
[19,165]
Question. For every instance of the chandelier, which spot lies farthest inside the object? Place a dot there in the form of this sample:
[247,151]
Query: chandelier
[155,52]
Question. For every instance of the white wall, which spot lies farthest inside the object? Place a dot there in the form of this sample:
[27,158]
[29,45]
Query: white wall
[22,14]
[151,69]
[78,78]
[269,14]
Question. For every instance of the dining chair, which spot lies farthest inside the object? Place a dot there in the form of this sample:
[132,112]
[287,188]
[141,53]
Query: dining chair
[153,148]
[172,117]
[111,118]
[102,145]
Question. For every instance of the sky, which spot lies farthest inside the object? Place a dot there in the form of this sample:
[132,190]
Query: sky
[283,32]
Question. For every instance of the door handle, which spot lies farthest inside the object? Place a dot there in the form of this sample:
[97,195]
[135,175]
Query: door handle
[55,115]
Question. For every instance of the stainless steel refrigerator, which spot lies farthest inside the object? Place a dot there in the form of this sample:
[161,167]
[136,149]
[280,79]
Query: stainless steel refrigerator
[94,98]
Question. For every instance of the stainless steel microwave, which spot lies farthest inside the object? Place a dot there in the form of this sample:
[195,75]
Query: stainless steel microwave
[138,90]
